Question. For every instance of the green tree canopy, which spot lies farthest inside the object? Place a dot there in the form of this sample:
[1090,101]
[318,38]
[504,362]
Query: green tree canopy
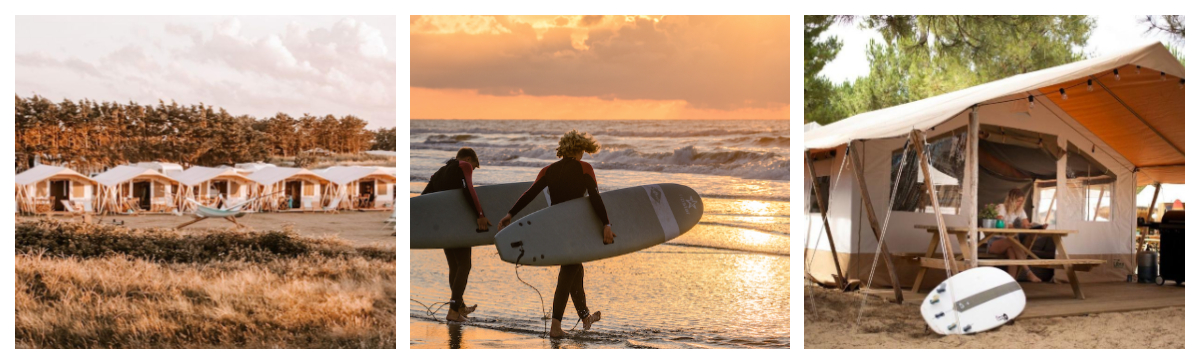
[923,56]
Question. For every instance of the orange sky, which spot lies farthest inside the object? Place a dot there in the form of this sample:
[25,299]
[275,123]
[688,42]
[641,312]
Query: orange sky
[600,67]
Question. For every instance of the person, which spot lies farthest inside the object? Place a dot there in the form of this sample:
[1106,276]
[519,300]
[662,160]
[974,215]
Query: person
[456,175]
[568,179]
[1012,212]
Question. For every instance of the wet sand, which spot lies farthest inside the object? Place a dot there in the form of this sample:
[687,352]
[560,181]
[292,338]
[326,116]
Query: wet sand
[365,228]
[829,323]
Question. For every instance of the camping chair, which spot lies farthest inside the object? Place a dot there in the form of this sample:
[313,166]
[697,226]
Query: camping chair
[333,206]
[392,221]
[73,211]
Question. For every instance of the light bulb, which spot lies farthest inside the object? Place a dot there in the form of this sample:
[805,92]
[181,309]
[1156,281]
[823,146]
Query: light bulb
[1162,76]
[1139,69]
[1117,73]
[1089,85]
[1180,83]
[1030,101]
[1063,92]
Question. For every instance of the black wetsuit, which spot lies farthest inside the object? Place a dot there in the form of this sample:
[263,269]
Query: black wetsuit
[456,175]
[567,180]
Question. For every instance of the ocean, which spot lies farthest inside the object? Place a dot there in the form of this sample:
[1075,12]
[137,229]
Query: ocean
[725,283]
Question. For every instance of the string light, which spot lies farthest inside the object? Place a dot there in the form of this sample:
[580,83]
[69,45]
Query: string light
[1089,85]
[1180,83]
[1030,101]
[1139,69]
[1063,92]
[1162,76]
[1117,73]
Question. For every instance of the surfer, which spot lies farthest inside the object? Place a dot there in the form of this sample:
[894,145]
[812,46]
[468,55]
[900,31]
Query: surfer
[1012,212]
[456,174]
[566,180]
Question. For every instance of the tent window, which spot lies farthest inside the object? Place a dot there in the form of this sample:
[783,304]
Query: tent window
[947,154]
[1046,203]
[823,188]
[1091,185]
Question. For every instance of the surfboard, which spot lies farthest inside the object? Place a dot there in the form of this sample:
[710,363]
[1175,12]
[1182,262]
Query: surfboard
[570,232]
[974,300]
[443,220]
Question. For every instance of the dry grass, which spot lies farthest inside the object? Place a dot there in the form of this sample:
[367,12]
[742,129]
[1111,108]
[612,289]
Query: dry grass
[87,286]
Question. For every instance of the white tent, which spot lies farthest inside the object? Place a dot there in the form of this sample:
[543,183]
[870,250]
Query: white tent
[43,189]
[287,189]
[253,167]
[207,185]
[362,187]
[1106,125]
[167,168]
[125,187]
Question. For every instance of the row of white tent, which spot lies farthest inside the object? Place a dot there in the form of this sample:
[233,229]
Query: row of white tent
[167,187]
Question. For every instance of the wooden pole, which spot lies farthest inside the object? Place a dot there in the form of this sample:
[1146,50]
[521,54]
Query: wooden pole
[1096,212]
[1149,215]
[866,200]
[972,189]
[1053,200]
[812,175]
[919,143]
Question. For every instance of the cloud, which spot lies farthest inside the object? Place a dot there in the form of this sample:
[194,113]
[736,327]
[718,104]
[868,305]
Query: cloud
[713,62]
[343,68]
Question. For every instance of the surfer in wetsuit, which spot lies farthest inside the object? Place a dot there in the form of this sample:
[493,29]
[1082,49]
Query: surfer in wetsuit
[456,175]
[566,180]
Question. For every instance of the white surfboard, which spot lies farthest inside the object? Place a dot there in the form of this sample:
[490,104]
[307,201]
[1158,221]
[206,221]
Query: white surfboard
[974,300]
[570,232]
[443,220]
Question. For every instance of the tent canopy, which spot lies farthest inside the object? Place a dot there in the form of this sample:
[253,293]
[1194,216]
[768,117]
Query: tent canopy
[1139,116]
[121,174]
[272,175]
[197,175]
[345,175]
[44,172]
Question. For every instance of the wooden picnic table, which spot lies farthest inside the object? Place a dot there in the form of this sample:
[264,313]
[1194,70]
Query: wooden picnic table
[1061,261]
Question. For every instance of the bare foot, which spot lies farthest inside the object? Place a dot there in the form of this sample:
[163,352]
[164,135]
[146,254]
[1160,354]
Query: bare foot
[467,310]
[588,321]
[453,316]
[556,330]
[1031,277]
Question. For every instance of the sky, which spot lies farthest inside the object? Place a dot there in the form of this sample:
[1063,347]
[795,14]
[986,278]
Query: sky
[248,65]
[1112,33]
[600,67]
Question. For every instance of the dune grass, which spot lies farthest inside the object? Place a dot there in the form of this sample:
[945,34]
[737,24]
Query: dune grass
[93,286]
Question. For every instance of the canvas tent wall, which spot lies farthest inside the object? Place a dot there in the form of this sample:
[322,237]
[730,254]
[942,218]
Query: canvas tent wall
[208,185]
[375,185]
[167,168]
[147,188]
[1131,128]
[287,189]
[43,189]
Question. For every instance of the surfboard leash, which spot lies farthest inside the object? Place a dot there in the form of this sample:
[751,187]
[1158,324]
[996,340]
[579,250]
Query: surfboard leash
[428,308]
[545,316]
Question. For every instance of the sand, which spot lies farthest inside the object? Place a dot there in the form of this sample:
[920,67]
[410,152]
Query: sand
[831,325]
[365,228]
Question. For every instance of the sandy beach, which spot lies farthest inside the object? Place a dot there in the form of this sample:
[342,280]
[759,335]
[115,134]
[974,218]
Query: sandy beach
[829,323]
[361,228]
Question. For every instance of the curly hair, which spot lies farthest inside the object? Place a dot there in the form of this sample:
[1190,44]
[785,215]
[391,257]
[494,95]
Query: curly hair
[574,142]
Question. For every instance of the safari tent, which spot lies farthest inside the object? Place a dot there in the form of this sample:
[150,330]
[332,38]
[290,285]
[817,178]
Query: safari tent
[208,185]
[360,187]
[44,189]
[128,188]
[287,189]
[1078,140]
[167,168]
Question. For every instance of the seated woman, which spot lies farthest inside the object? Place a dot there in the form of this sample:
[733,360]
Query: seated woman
[1012,212]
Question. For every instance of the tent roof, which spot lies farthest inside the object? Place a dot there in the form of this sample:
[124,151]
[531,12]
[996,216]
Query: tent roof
[121,174]
[271,175]
[1140,116]
[344,175]
[44,172]
[197,175]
